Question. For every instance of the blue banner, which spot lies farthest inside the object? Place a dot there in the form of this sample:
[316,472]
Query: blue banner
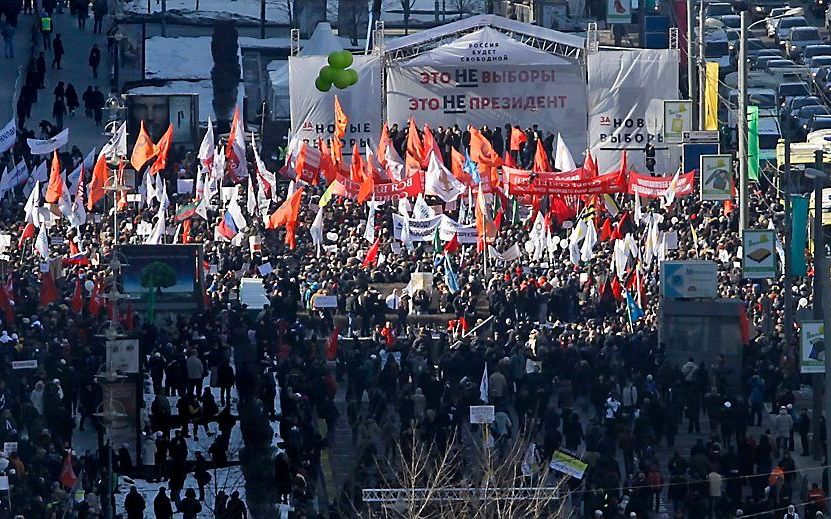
[799,234]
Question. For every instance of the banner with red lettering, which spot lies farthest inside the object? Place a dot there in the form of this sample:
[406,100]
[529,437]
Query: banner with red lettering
[409,187]
[523,182]
[648,186]
[487,78]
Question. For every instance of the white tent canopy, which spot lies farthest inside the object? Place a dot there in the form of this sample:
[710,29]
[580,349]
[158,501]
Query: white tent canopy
[548,40]
[486,45]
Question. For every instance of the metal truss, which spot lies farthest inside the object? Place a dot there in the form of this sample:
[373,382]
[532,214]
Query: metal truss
[592,42]
[395,495]
[673,37]
[542,44]
[295,42]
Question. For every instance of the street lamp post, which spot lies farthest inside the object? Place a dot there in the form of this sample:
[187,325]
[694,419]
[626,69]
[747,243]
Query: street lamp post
[701,67]
[741,120]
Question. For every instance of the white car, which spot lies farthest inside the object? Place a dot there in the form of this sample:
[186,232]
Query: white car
[772,20]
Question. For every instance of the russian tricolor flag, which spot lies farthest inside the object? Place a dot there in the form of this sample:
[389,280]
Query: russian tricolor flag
[227,227]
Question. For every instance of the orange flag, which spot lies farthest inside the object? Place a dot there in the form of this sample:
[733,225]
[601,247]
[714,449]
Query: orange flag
[98,181]
[457,165]
[144,149]
[485,228]
[287,212]
[161,149]
[55,189]
[367,188]
[340,120]
[414,145]
[518,138]
[357,171]
[372,254]
[541,163]
[429,145]
[383,144]
[326,165]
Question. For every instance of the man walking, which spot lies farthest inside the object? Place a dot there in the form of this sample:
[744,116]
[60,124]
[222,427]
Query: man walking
[58,51]
[99,9]
[94,59]
[46,29]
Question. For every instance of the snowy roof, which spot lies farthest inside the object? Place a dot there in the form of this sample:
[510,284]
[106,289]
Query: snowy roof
[422,41]
[179,58]
[240,9]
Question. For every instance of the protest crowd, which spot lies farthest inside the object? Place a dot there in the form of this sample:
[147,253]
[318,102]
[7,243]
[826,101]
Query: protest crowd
[460,277]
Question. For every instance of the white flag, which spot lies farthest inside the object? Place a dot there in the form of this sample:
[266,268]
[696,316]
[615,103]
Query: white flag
[65,201]
[395,165]
[86,165]
[117,145]
[40,173]
[316,229]
[251,198]
[8,136]
[44,146]
[159,229]
[369,229]
[161,192]
[586,253]
[32,204]
[42,243]
[78,214]
[439,182]
[206,149]
[483,385]
[669,194]
[563,159]
[235,211]
[421,210]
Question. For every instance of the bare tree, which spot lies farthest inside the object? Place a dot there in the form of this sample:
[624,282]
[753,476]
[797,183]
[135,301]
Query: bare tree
[461,477]
[286,10]
[463,7]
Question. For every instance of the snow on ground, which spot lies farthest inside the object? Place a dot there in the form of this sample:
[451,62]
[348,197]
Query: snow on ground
[202,87]
[179,58]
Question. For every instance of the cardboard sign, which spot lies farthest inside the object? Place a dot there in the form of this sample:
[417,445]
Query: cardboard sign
[326,302]
[24,364]
[482,414]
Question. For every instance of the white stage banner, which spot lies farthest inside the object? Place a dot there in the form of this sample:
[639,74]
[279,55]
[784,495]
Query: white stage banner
[626,91]
[313,111]
[486,78]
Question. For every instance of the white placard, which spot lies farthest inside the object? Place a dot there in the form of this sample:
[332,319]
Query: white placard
[24,364]
[265,269]
[482,414]
[326,302]
[184,186]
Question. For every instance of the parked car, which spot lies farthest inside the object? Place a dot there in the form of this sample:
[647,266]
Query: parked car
[773,19]
[818,122]
[822,80]
[717,51]
[794,104]
[816,62]
[718,9]
[799,38]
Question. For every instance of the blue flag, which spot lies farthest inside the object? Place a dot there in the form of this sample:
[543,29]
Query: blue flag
[471,169]
[635,311]
[450,278]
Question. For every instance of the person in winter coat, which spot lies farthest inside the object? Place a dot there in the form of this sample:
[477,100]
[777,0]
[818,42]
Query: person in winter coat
[36,397]
[71,99]
[189,506]
[58,51]
[134,504]
[200,472]
[782,425]
[225,381]
[196,372]
[161,505]
[148,457]
[236,508]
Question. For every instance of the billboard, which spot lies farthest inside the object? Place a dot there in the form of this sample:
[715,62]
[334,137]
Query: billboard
[487,78]
[626,94]
[716,177]
[689,279]
[618,11]
[313,111]
[160,110]
[759,254]
[812,347]
[677,120]
[129,65]
[169,276]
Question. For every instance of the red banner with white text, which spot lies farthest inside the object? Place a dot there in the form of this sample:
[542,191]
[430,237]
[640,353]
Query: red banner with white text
[409,187]
[654,187]
[524,182]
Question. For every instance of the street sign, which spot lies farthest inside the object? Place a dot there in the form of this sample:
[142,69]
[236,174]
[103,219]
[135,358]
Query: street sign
[697,136]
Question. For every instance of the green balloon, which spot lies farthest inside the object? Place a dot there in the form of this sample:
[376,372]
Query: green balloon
[327,73]
[322,84]
[337,60]
[342,79]
[353,76]
[347,58]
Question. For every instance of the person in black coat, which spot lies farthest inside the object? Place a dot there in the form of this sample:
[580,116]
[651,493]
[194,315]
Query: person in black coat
[94,59]
[134,504]
[58,52]
[189,506]
[161,505]
[71,99]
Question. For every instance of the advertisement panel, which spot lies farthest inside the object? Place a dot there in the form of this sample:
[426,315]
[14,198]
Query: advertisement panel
[716,177]
[486,78]
[313,111]
[158,111]
[812,347]
[123,355]
[759,254]
[689,279]
[677,120]
[171,272]
[626,94]
[568,464]
[618,11]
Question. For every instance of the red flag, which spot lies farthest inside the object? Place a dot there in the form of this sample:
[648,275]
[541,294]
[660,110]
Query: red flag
[508,160]
[162,149]
[518,138]
[414,144]
[457,165]
[541,158]
[356,169]
[332,345]
[67,477]
[287,212]
[340,120]
[7,300]
[617,290]
[143,150]
[744,325]
[453,245]
[327,167]
[622,227]
[186,231]
[367,188]
[77,303]
[48,290]
[606,229]
[590,166]
[97,182]
[95,300]
[28,232]
[561,210]
[429,145]
[128,317]
[372,253]
[55,189]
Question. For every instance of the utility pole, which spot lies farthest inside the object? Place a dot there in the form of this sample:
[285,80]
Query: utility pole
[820,308]
[690,53]
[742,122]
[700,65]
[262,19]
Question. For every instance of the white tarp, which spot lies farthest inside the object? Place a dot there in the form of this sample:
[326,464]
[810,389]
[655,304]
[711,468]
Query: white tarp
[313,111]
[626,90]
[487,78]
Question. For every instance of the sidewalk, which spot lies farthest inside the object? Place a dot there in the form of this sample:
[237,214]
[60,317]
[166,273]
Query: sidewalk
[75,69]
